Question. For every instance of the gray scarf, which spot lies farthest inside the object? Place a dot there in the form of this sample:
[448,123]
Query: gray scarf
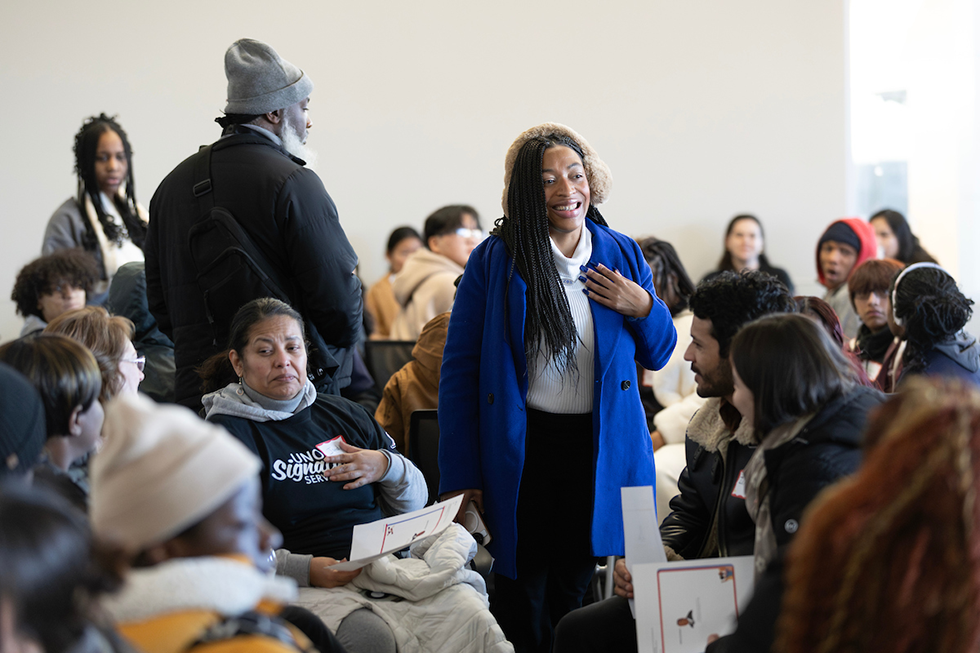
[239,400]
[757,492]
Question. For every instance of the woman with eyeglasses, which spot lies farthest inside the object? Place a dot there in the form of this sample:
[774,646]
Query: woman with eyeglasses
[109,337]
[426,286]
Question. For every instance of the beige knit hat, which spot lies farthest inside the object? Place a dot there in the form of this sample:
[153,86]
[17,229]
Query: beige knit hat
[162,470]
[596,171]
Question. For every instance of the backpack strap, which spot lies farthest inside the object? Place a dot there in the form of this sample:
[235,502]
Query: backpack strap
[202,175]
[248,624]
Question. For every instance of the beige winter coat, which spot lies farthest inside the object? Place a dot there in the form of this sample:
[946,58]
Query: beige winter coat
[425,287]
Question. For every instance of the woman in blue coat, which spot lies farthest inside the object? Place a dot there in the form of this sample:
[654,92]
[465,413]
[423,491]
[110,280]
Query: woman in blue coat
[539,412]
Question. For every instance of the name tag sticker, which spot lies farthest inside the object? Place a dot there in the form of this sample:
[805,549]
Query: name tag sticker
[738,491]
[331,447]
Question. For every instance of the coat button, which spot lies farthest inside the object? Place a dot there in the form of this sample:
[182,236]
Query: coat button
[490,398]
[625,385]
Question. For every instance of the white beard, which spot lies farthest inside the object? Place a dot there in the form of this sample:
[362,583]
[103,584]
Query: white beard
[292,144]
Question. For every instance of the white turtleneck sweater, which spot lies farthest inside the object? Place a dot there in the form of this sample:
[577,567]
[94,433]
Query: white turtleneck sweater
[570,393]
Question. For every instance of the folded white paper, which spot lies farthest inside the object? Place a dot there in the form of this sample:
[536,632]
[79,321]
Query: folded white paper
[379,538]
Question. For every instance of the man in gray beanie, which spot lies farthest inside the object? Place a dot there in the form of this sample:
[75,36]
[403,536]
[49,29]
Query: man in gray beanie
[288,242]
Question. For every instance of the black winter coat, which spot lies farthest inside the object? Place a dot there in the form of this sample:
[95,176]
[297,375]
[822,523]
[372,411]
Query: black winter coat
[288,214]
[826,450]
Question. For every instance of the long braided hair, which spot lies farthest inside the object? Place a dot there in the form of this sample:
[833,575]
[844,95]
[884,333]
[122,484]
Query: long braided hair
[932,310]
[86,145]
[549,325]
[889,560]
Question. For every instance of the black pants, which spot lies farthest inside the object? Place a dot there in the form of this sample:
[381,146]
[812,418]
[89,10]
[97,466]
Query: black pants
[554,521]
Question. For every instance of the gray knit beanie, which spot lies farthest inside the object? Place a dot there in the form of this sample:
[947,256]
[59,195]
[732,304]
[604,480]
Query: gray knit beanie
[259,80]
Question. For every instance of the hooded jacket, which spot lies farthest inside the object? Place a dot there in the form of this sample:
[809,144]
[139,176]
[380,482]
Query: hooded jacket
[840,298]
[416,385]
[425,287]
[127,297]
[960,357]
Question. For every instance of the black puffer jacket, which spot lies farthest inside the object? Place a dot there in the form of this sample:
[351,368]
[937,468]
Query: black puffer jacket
[289,215]
[828,448]
[127,297]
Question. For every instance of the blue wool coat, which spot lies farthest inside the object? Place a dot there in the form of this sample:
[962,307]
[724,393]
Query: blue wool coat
[483,392]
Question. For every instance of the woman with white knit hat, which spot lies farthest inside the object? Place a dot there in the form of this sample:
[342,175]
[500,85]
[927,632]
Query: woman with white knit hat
[539,412]
[181,498]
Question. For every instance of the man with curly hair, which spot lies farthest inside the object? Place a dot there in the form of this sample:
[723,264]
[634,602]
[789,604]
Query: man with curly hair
[708,518]
[53,284]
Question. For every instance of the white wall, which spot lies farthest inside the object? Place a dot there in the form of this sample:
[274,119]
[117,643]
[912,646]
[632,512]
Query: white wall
[702,109]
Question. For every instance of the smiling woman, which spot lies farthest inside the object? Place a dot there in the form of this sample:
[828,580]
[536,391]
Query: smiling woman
[538,387]
[104,217]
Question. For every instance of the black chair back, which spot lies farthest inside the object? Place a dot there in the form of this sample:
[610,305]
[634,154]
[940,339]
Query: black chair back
[423,448]
[385,357]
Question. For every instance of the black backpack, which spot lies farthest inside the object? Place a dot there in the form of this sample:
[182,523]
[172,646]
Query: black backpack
[232,271]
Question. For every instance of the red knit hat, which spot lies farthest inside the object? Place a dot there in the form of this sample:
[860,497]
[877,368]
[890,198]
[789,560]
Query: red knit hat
[864,233]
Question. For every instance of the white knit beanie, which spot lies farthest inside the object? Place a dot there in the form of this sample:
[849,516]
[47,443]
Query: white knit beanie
[162,470]
[259,80]
[596,171]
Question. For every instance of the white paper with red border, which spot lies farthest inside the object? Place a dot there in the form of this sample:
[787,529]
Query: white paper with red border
[679,604]
[379,538]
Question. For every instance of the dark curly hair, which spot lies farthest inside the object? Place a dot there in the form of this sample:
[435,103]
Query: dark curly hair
[44,275]
[932,310]
[731,299]
[528,240]
[86,145]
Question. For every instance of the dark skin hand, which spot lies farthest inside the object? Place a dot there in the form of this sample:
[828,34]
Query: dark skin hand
[613,290]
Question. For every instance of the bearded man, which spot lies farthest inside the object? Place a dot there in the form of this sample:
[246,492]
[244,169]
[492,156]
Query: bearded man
[257,172]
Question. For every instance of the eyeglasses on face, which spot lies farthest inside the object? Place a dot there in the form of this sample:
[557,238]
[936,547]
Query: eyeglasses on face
[139,362]
[475,234]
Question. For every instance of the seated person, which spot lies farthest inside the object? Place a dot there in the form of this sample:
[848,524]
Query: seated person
[22,425]
[809,411]
[886,560]
[379,301]
[53,284]
[820,312]
[179,498]
[800,396]
[744,244]
[896,240]
[109,338]
[127,298]
[67,377]
[845,245]
[326,466]
[416,385]
[426,286]
[51,574]
[868,287]
[929,313]
[709,518]
[669,395]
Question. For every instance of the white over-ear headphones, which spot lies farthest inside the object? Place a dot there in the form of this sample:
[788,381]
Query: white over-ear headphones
[914,266]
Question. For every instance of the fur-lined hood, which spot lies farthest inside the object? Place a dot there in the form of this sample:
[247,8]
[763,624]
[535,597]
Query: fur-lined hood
[219,584]
[708,429]
[596,171]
